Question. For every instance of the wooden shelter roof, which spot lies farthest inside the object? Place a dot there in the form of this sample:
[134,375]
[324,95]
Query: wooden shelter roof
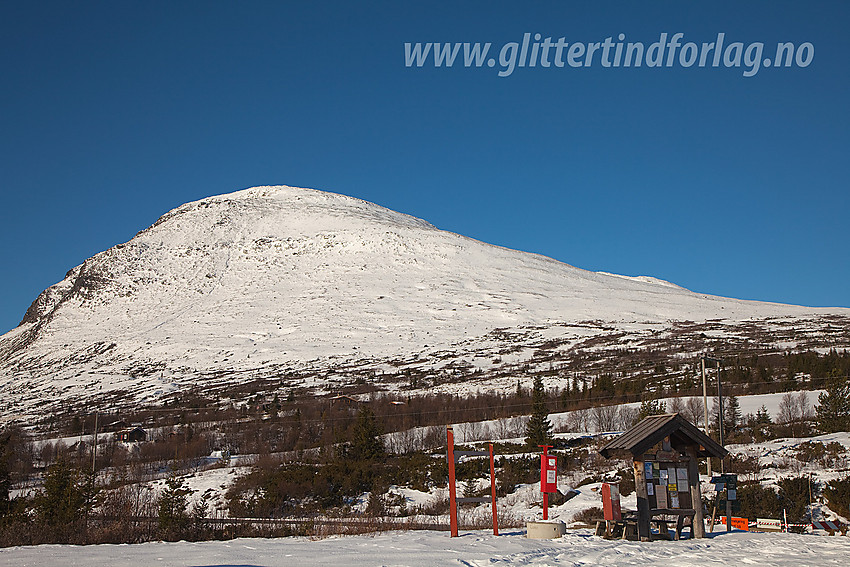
[651,430]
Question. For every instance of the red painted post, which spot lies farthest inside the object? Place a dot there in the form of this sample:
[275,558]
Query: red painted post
[493,490]
[543,482]
[450,443]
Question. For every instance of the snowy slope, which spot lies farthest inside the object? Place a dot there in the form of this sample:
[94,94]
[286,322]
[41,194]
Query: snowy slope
[280,275]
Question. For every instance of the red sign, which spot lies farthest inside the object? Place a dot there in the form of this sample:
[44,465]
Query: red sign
[548,473]
[611,502]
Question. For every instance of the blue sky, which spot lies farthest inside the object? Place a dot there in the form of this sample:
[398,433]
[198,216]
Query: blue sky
[112,113]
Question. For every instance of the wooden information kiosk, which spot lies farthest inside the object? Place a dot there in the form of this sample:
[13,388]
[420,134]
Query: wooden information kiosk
[664,450]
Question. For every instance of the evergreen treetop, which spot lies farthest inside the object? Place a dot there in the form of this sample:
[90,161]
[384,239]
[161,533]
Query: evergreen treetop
[538,431]
[650,407]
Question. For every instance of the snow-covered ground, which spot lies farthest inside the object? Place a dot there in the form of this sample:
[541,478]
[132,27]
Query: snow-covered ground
[430,548]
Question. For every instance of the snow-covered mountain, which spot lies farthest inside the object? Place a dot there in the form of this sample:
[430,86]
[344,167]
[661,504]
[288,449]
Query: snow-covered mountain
[281,277]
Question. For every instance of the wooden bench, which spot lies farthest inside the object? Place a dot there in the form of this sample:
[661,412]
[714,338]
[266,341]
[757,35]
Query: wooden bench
[617,529]
[684,519]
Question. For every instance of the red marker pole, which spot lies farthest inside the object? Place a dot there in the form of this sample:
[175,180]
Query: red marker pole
[493,491]
[450,443]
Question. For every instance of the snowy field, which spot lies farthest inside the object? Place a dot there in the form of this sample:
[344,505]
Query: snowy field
[430,548]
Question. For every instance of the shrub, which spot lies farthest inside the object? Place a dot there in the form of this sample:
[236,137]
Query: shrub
[589,515]
[794,497]
[626,481]
[758,501]
[436,506]
[519,470]
[309,487]
[588,480]
[837,493]
[810,452]
[748,465]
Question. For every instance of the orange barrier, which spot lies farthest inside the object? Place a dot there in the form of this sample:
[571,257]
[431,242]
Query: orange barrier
[737,523]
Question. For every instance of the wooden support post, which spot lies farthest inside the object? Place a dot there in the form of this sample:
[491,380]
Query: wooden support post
[450,443]
[493,491]
[698,522]
[642,502]
[452,457]
[711,520]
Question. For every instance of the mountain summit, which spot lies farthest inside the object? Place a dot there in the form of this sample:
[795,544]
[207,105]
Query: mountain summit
[284,276]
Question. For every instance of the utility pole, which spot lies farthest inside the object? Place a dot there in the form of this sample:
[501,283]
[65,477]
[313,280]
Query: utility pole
[811,500]
[705,411]
[94,446]
[720,431]
[720,412]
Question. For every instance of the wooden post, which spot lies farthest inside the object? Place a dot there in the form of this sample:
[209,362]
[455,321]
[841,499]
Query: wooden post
[698,525]
[642,502]
[493,491]
[450,443]
[94,446]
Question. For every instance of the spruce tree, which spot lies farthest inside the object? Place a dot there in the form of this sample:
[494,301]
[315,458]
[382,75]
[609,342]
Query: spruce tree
[833,409]
[171,507]
[538,431]
[65,496]
[761,424]
[650,407]
[715,416]
[366,443]
[762,416]
[5,474]
[732,409]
